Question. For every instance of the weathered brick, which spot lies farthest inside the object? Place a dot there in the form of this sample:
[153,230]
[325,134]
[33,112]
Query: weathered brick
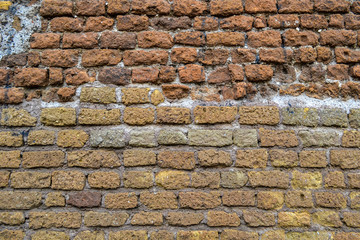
[172,179]
[238,198]
[199,200]
[89,116]
[99,235]
[251,158]
[351,219]
[56,8]
[212,158]
[238,23]
[184,218]
[66,24]
[346,159]
[282,138]
[172,137]
[117,76]
[107,138]
[19,200]
[295,6]
[354,180]
[41,137]
[284,20]
[132,23]
[72,138]
[121,200]
[30,180]
[338,38]
[118,6]
[138,179]
[93,159]
[173,115]
[106,180]
[105,219]
[270,200]
[294,219]
[43,235]
[98,95]
[141,57]
[330,200]
[257,219]
[233,179]
[334,179]
[11,139]
[60,58]
[225,7]
[143,139]
[258,72]
[307,180]
[354,118]
[228,234]
[212,114]
[147,218]
[320,139]
[176,159]
[221,219]
[128,234]
[296,38]
[58,116]
[350,139]
[45,159]
[245,138]
[171,23]
[159,200]
[151,39]
[45,40]
[4,178]
[68,180]
[55,199]
[214,138]
[275,178]
[191,73]
[259,115]
[205,179]
[332,6]
[355,200]
[225,39]
[273,235]
[312,159]
[283,158]
[346,235]
[189,7]
[300,116]
[213,56]
[12,218]
[135,95]
[296,199]
[30,77]
[327,218]
[139,116]
[54,219]
[269,38]
[258,6]
[10,159]
[149,7]
[307,235]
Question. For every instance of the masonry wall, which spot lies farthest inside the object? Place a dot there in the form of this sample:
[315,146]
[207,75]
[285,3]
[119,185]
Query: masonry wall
[183,119]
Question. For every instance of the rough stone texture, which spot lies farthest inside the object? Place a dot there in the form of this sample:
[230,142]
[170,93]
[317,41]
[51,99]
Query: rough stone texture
[215,138]
[143,139]
[107,138]
[93,159]
[319,138]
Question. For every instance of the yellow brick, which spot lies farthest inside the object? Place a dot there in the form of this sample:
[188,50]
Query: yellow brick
[157,97]
[172,179]
[17,118]
[308,180]
[41,137]
[135,95]
[139,116]
[98,95]
[99,116]
[72,138]
[10,159]
[58,116]
[294,219]
[10,139]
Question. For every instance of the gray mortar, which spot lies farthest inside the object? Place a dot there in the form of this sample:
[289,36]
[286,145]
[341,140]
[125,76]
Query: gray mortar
[11,40]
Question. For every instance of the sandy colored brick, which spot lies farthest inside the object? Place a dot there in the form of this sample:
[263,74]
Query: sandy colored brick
[306,180]
[354,118]
[296,199]
[203,179]
[258,219]
[135,157]
[333,117]
[4,178]
[12,234]
[213,115]
[55,199]
[97,235]
[172,137]
[273,235]
[68,180]
[322,235]
[11,139]
[106,180]
[105,219]
[99,116]
[251,158]
[121,200]
[138,179]
[199,200]
[12,218]
[259,115]
[143,138]
[30,180]
[238,198]
[281,138]
[351,139]
[72,138]
[44,159]
[334,179]
[294,219]
[172,179]
[93,159]
[135,95]
[327,218]
[44,219]
[17,118]
[41,137]
[108,138]
[330,200]
[139,116]
[20,200]
[352,219]
[103,95]
[159,200]
[212,158]
[157,97]
[300,116]
[270,200]
[245,138]
[58,116]
[274,179]
[176,160]
[10,159]
[355,200]
[128,234]
[319,138]
[214,138]
[354,180]
[346,159]
[283,158]
[228,234]
[222,219]
[233,179]
[184,218]
[147,218]
[313,159]
[173,115]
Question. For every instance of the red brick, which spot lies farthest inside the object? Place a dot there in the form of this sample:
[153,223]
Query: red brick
[59,58]
[118,6]
[115,40]
[226,7]
[269,38]
[167,74]
[152,39]
[100,57]
[284,21]
[175,91]
[312,21]
[11,95]
[75,76]
[219,75]
[66,24]
[226,39]
[90,7]
[206,23]
[132,23]
[192,73]
[98,24]
[190,8]
[305,55]
[176,160]
[51,8]
[141,57]
[336,21]
[295,6]
[238,23]
[296,38]
[145,75]
[117,76]
[258,73]
[276,55]
[332,5]
[184,55]
[171,23]
[213,56]
[80,40]
[241,55]
[45,40]
[30,77]
[190,38]
[257,6]
[346,55]
[338,38]
[338,72]
[150,7]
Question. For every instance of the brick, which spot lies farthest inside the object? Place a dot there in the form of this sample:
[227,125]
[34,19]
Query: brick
[59,58]
[150,7]
[105,219]
[4,178]
[220,75]
[145,75]
[338,38]
[11,95]
[350,139]
[332,6]
[45,40]
[100,57]
[297,6]
[172,138]
[199,200]
[54,219]
[175,91]
[11,139]
[121,200]
[212,158]
[45,159]
[351,219]
[89,116]
[354,118]
[98,95]
[171,23]
[41,137]
[346,235]
[327,218]
[238,198]
[284,21]
[239,23]
[245,138]
[172,179]
[147,218]
[74,76]
[257,6]
[190,8]
[269,38]
[128,234]
[80,40]
[345,55]
[312,159]
[43,235]
[274,55]
[308,235]
[192,73]
[184,218]
[118,6]
[256,219]
[138,158]
[143,139]
[58,116]
[132,23]
[258,73]
[307,180]
[159,200]
[55,199]
[210,137]
[150,39]
[270,200]
[66,24]
[139,116]
[68,180]
[212,114]
[351,22]
[138,179]
[284,138]
[116,40]
[56,8]
[225,7]
[305,55]
[12,218]
[89,235]
[173,115]
[30,180]
[299,199]
[274,235]
[355,200]
[330,200]
[319,139]
[30,77]
[10,159]
[275,179]
[93,159]
[219,219]
[141,57]
[213,57]
[19,200]
[90,7]
[98,24]
[228,234]
[296,38]
[107,138]
[205,179]
[72,138]
[283,158]
[176,159]
[135,95]
[105,180]
[183,55]
[117,76]
[313,21]
[233,179]
[225,39]
[294,219]
[259,115]
[354,180]
[251,158]
[334,179]
[346,159]
[300,116]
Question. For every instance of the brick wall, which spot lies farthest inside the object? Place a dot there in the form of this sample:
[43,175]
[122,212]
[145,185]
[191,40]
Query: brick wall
[183,119]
